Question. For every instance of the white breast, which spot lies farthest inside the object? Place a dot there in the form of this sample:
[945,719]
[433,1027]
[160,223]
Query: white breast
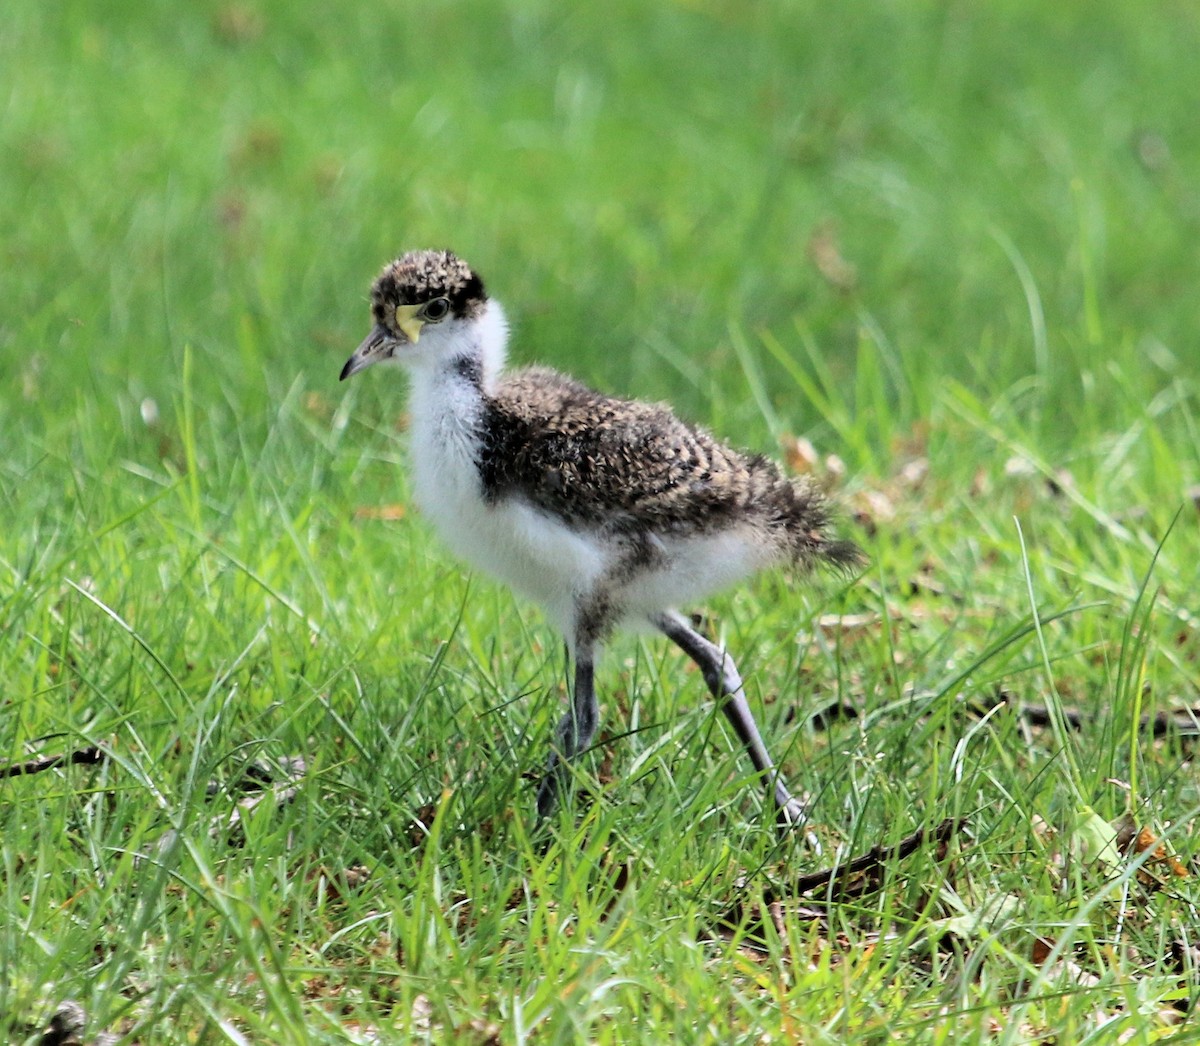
[537,555]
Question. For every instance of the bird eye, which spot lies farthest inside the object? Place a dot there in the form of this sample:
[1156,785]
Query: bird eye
[435,310]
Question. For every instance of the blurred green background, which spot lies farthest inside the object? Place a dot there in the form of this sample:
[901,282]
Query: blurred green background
[631,179]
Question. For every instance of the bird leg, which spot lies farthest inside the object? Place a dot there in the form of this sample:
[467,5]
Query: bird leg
[575,730]
[721,675]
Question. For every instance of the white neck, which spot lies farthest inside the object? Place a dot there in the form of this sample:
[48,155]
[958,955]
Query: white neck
[493,342]
[446,400]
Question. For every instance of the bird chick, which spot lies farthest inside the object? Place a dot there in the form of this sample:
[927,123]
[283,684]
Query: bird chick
[609,513]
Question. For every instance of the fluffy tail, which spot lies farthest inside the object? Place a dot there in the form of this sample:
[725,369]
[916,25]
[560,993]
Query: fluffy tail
[800,513]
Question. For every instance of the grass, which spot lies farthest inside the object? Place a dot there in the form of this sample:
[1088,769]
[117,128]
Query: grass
[953,246]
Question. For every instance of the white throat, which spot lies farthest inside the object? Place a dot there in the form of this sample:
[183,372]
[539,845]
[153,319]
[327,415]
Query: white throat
[485,340]
[446,406]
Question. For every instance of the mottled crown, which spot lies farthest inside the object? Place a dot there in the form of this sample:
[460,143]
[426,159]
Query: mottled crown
[421,276]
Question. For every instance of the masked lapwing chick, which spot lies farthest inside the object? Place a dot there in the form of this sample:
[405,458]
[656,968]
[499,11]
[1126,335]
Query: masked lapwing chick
[609,513]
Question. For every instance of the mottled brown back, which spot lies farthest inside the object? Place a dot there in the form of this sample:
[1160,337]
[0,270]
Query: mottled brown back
[627,467]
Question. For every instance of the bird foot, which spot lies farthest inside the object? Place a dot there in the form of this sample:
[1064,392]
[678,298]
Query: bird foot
[791,815]
[547,796]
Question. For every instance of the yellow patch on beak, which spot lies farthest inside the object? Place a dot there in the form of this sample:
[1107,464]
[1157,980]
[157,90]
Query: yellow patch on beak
[408,322]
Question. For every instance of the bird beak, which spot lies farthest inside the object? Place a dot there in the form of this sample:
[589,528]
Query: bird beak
[381,344]
[376,346]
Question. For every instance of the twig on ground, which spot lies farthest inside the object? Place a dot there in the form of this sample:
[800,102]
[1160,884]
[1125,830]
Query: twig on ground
[67,1025]
[875,858]
[775,904]
[87,756]
[1184,722]
[262,777]
[282,792]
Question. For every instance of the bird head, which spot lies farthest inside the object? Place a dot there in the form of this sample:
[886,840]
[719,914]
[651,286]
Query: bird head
[424,305]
